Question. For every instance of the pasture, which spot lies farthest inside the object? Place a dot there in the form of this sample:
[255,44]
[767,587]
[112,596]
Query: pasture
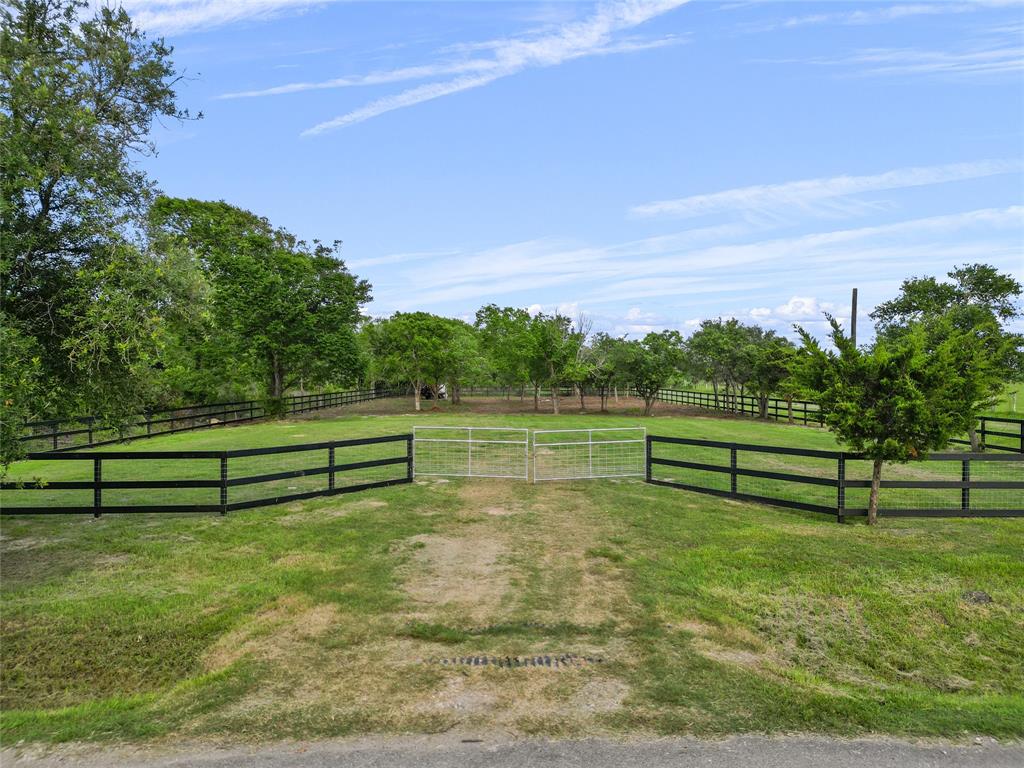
[671,612]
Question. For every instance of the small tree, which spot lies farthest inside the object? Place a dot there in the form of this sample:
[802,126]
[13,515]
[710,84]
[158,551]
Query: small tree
[410,347]
[978,300]
[650,363]
[895,401]
[771,364]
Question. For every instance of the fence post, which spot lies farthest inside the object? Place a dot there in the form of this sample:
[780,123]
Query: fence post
[224,483]
[732,473]
[149,422]
[647,460]
[965,492]
[90,421]
[982,441]
[408,459]
[330,473]
[97,491]
[841,489]
[55,425]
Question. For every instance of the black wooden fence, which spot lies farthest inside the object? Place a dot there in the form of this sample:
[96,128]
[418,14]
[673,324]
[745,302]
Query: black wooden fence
[204,481]
[89,431]
[837,483]
[994,432]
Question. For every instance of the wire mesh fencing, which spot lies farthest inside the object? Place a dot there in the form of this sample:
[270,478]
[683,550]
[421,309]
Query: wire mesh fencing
[496,452]
[583,454]
[944,484]
[202,481]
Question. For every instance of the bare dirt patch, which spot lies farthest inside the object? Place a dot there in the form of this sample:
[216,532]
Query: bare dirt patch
[458,574]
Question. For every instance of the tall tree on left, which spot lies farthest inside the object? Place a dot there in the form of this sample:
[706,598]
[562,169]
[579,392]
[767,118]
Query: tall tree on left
[78,95]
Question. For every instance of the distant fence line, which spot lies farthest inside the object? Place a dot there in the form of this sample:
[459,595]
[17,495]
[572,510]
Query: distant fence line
[837,483]
[89,431]
[209,481]
[994,432]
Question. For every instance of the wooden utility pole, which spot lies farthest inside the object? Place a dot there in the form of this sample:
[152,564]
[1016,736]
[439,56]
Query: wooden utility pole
[853,318]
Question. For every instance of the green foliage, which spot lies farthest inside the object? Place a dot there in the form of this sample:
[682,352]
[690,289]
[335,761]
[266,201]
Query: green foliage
[288,310]
[650,363]
[554,353]
[895,401]
[20,382]
[77,99]
[504,337]
[978,302]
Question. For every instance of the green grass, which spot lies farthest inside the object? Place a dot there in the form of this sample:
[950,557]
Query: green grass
[320,618]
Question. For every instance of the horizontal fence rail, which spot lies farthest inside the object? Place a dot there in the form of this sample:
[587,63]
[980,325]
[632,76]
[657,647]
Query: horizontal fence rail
[89,431]
[834,482]
[204,481]
[996,433]
[798,411]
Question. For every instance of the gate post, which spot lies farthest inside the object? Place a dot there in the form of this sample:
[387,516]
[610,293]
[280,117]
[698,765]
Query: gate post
[965,492]
[841,489]
[647,459]
[330,472]
[97,490]
[224,483]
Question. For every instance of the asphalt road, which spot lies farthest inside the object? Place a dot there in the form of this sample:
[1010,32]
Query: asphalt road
[445,751]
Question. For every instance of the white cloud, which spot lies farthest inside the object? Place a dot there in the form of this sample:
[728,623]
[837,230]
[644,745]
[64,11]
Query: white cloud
[820,195]
[593,36]
[167,17]
[681,267]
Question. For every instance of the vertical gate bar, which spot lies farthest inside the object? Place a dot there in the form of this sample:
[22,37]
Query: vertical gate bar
[840,488]
[330,473]
[470,451]
[590,453]
[732,472]
[224,483]
[965,492]
[97,490]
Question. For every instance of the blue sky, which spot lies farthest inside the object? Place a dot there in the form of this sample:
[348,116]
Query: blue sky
[649,164]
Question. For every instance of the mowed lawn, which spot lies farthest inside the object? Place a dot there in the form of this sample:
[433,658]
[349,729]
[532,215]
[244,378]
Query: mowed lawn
[331,616]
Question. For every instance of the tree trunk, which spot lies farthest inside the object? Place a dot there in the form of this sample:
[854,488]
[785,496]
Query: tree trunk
[583,403]
[536,397]
[972,435]
[789,408]
[416,394]
[554,400]
[649,404]
[615,391]
[764,406]
[876,479]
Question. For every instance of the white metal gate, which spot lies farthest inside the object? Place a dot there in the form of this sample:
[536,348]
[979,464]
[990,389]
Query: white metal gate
[471,452]
[580,454]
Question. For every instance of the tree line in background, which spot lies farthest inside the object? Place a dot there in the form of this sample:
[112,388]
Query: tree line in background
[115,297]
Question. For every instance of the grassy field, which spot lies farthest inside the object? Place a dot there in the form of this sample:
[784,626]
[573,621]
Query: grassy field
[326,617]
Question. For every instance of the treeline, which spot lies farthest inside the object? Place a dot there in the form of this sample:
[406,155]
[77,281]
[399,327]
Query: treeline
[113,296]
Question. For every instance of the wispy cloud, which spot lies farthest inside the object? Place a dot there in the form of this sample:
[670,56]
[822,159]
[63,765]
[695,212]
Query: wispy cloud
[879,14]
[991,60]
[693,263]
[819,195]
[593,36]
[167,17]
